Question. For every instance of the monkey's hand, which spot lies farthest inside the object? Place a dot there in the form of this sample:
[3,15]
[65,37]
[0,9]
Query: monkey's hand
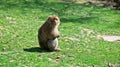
[58,36]
[54,37]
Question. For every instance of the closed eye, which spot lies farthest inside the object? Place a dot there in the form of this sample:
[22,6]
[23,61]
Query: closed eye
[55,18]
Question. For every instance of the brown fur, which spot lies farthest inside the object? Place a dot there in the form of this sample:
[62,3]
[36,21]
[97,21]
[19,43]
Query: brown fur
[48,33]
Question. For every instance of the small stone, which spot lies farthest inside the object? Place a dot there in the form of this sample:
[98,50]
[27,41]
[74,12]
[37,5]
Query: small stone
[58,57]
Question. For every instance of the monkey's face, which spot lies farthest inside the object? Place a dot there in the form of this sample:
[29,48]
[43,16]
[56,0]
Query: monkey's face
[54,20]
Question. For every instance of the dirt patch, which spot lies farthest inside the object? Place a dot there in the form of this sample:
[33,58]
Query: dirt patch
[73,39]
[113,4]
[88,33]
[87,2]
[109,38]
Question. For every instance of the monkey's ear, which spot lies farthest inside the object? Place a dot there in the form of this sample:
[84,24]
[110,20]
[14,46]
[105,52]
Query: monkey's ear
[49,18]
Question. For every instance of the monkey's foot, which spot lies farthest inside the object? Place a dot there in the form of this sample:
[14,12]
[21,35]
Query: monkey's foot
[57,49]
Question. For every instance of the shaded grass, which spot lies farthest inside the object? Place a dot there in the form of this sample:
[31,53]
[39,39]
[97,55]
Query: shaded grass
[18,35]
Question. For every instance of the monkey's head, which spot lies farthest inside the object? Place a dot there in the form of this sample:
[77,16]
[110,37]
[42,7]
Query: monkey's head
[54,20]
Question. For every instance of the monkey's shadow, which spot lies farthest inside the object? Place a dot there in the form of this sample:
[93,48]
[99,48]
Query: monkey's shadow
[35,49]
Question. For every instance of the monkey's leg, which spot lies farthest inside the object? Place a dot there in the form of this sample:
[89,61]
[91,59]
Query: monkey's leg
[53,44]
[42,42]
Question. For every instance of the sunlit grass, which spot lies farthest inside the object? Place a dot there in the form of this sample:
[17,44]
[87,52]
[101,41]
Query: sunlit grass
[80,24]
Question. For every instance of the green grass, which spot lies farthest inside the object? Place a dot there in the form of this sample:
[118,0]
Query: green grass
[19,23]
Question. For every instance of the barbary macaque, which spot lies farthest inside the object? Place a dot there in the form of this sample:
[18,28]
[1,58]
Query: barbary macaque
[48,34]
